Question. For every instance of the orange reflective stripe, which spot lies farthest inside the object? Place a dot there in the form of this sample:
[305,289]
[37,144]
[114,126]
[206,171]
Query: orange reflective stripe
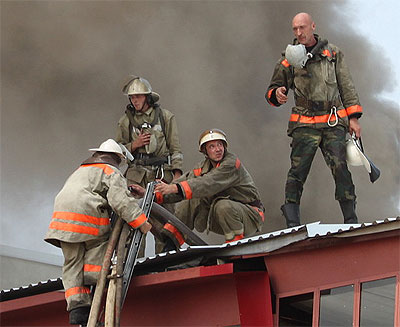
[91,268]
[159,197]
[269,93]
[269,97]
[237,163]
[327,53]
[81,218]
[76,290]
[138,221]
[218,164]
[107,169]
[175,232]
[260,212]
[197,172]
[353,109]
[285,63]
[317,119]
[74,228]
[236,238]
[186,188]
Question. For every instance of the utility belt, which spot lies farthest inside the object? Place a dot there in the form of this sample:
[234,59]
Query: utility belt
[144,159]
[320,112]
[317,105]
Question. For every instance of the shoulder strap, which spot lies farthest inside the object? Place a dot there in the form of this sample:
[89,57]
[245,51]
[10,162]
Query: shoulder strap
[162,120]
[158,115]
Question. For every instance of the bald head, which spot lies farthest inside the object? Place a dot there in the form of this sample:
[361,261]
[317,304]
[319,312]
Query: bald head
[303,28]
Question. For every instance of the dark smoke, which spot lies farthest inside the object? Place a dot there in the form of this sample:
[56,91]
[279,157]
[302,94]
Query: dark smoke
[62,68]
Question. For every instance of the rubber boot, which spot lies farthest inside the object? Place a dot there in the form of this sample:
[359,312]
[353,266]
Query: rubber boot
[79,316]
[349,211]
[291,211]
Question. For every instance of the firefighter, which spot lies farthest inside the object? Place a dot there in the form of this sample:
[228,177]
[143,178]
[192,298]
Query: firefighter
[326,108]
[81,222]
[151,134]
[218,194]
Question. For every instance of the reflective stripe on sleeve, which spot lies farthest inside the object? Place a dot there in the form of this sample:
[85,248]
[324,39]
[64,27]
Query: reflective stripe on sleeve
[175,232]
[159,197]
[138,221]
[186,188]
[353,109]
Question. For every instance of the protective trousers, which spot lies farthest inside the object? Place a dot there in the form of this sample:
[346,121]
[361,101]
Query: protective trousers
[232,219]
[82,265]
[332,142]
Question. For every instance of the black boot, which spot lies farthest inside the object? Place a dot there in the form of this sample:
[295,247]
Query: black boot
[169,245]
[349,211]
[79,316]
[291,211]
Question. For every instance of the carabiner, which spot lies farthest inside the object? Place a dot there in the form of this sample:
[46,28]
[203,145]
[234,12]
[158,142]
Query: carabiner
[333,111]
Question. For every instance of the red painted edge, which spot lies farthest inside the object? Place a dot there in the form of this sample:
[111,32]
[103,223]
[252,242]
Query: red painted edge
[183,274]
[30,301]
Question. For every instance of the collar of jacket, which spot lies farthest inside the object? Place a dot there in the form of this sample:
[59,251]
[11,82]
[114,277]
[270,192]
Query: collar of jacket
[207,164]
[104,158]
[145,113]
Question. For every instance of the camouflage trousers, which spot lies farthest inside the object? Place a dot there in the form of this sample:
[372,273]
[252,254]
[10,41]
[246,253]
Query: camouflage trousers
[332,142]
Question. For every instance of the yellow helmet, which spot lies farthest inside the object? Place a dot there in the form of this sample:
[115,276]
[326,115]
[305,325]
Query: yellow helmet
[210,135]
[139,85]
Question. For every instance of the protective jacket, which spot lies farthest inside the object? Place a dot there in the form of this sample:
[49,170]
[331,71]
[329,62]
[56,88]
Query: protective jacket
[229,180]
[82,208]
[323,90]
[164,142]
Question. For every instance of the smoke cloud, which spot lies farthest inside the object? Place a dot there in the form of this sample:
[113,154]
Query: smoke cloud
[62,68]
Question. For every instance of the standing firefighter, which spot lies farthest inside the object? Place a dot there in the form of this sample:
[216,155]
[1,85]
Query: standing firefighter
[81,223]
[219,193]
[326,107]
[151,134]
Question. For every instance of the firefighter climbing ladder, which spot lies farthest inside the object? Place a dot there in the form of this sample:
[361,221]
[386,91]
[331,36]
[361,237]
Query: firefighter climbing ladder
[122,264]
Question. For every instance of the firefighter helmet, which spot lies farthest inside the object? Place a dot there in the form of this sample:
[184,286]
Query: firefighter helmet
[210,135]
[354,155]
[139,85]
[110,146]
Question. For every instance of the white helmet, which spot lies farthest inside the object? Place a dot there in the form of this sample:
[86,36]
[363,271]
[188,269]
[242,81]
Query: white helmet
[110,146]
[210,135]
[355,157]
[296,55]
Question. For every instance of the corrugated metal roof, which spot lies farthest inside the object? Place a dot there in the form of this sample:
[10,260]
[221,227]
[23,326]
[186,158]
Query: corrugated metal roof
[259,244]
[32,289]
